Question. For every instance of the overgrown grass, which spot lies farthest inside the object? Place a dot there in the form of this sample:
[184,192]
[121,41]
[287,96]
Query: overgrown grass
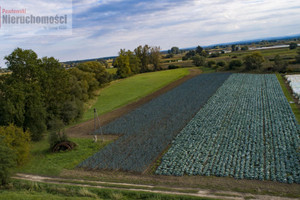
[44,162]
[289,97]
[31,190]
[122,92]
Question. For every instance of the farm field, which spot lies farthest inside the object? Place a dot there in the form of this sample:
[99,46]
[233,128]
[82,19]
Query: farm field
[148,130]
[128,90]
[247,130]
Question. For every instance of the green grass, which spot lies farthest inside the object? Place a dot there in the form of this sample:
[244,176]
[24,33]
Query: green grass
[30,191]
[122,92]
[43,162]
[289,97]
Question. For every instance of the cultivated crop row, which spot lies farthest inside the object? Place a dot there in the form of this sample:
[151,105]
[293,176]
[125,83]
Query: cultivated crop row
[246,130]
[149,129]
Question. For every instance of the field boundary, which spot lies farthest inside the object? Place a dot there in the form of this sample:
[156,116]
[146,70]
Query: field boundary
[180,191]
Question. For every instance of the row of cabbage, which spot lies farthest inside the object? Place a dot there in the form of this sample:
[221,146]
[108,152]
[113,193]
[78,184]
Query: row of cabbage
[246,130]
[294,82]
[149,129]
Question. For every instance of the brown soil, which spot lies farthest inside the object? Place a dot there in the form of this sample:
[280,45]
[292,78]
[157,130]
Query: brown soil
[85,128]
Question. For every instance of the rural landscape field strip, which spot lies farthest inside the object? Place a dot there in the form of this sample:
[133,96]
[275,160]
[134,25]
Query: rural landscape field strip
[149,129]
[246,130]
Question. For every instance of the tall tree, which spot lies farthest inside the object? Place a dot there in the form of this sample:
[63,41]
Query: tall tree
[155,57]
[134,62]
[24,83]
[142,52]
[174,50]
[293,45]
[199,50]
[122,62]
[102,76]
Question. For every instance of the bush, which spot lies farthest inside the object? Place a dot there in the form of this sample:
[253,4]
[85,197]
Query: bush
[254,61]
[198,60]
[293,45]
[221,63]
[211,63]
[234,64]
[58,136]
[7,161]
[173,67]
[17,140]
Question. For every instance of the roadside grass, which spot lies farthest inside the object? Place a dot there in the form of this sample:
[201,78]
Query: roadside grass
[44,162]
[191,183]
[124,91]
[289,97]
[31,190]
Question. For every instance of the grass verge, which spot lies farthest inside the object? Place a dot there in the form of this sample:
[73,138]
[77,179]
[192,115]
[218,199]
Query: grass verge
[289,97]
[32,190]
[44,162]
[122,92]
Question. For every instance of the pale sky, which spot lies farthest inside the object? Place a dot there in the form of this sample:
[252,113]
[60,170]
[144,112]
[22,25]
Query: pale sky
[102,27]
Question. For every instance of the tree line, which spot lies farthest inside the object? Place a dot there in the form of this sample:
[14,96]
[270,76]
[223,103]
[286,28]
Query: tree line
[40,90]
[142,59]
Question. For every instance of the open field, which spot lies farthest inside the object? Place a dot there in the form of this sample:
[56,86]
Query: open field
[149,129]
[210,182]
[122,92]
[246,130]
[44,162]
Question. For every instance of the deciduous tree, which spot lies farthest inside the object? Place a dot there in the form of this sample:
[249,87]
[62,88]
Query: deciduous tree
[253,61]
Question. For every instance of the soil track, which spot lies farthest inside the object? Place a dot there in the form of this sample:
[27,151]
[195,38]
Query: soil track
[85,128]
[182,191]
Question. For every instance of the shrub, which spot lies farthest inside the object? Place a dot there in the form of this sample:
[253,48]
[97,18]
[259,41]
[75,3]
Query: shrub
[7,161]
[198,60]
[57,137]
[17,140]
[173,67]
[211,63]
[235,64]
[221,63]
[254,61]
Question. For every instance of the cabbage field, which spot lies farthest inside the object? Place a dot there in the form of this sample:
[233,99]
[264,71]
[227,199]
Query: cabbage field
[148,130]
[246,130]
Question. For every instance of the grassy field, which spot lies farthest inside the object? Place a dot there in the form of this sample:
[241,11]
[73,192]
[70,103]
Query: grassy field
[124,91]
[44,162]
[289,97]
[30,191]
